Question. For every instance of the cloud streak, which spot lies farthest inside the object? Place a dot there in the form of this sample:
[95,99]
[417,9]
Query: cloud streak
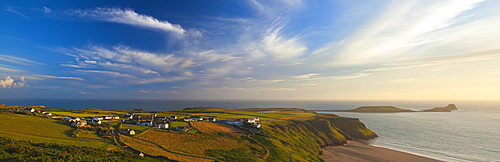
[402,27]
[130,17]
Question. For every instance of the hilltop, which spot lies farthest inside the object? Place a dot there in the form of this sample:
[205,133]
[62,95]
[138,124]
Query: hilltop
[392,109]
[192,134]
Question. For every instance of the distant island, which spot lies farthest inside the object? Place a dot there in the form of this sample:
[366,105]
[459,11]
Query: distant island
[392,109]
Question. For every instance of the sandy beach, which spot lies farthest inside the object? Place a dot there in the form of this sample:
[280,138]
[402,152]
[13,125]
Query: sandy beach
[356,151]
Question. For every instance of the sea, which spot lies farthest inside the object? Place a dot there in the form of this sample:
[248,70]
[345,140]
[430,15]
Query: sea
[471,133]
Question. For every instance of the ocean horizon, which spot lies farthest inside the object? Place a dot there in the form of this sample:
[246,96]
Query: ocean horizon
[467,134]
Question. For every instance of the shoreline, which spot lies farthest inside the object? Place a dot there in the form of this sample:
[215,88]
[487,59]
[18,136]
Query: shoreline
[357,151]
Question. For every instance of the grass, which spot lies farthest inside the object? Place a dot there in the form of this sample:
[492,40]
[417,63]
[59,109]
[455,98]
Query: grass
[36,129]
[138,129]
[213,128]
[88,134]
[198,144]
[154,150]
[174,124]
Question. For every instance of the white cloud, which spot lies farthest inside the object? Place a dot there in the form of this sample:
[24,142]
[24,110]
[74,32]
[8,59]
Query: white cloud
[8,83]
[58,77]
[130,17]
[159,80]
[18,60]
[10,9]
[108,72]
[149,91]
[8,69]
[305,76]
[46,9]
[402,28]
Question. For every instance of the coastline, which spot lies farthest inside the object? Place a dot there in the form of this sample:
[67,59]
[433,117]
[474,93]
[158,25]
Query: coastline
[357,151]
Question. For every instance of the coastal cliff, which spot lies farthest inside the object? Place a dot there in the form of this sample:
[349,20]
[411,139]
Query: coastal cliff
[282,134]
[303,139]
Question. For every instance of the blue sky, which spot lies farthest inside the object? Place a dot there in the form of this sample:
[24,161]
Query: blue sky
[282,49]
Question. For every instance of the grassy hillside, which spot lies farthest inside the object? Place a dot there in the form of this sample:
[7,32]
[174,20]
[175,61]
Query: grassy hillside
[36,129]
[286,134]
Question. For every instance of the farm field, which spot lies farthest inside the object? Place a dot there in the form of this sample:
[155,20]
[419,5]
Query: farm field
[206,144]
[213,128]
[136,128]
[36,129]
[151,149]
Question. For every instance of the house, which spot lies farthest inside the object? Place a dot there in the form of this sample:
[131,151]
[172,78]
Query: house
[188,119]
[128,116]
[162,118]
[145,118]
[127,131]
[211,119]
[108,117]
[29,110]
[183,128]
[252,120]
[256,125]
[48,114]
[196,118]
[115,117]
[98,118]
[97,122]
[163,125]
[73,119]
[173,117]
[145,123]
[80,123]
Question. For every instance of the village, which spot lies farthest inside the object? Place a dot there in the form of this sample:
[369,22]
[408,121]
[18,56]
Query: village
[154,121]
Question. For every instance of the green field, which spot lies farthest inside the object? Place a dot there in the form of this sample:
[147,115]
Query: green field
[36,129]
[136,128]
[174,124]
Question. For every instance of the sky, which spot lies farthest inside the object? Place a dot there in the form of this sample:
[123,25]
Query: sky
[251,49]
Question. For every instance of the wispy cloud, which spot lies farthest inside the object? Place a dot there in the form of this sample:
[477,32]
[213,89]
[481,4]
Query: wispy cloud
[158,92]
[403,26]
[130,17]
[108,72]
[10,9]
[9,69]
[59,77]
[305,76]
[18,60]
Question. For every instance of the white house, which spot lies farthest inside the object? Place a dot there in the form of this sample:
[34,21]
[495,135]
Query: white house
[145,123]
[115,117]
[80,123]
[98,118]
[163,125]
[94,122]
[252,120]
[29,110]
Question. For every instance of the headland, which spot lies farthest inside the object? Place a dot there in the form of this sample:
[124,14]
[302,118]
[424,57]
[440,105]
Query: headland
[392,109]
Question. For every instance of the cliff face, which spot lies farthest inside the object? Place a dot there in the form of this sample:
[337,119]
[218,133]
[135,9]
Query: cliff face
[306,137]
